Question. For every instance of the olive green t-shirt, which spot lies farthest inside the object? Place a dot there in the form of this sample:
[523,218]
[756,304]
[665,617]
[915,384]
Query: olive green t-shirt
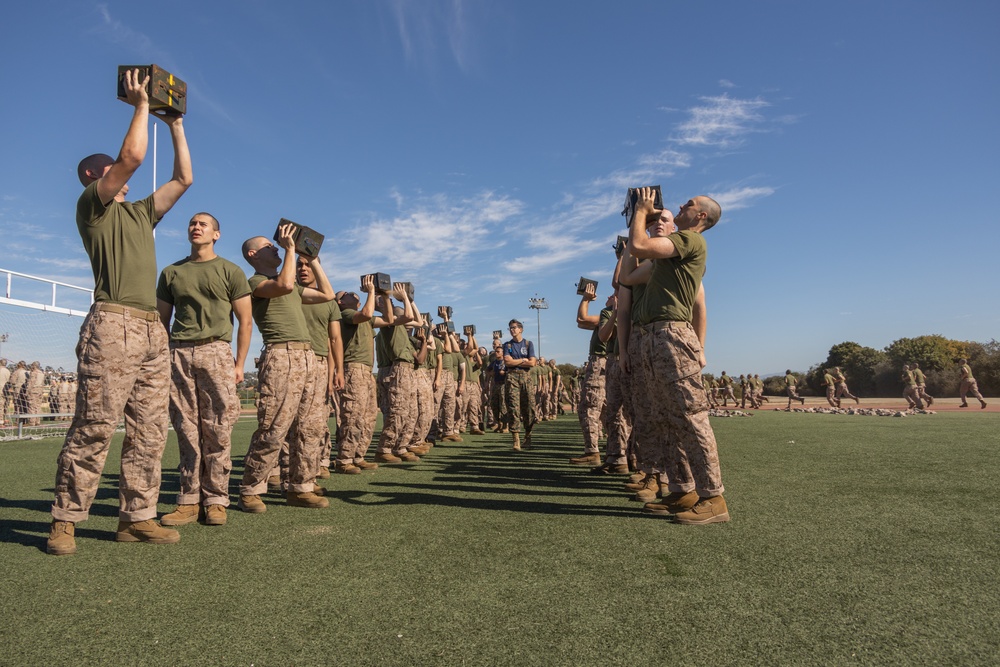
[535,375]
[399,344]
[448,363]
[556,373]
[828,380]
[472,371]
[279,320]
[318,318]
[383,358]
[457,359]
[201,294]
[918,375]
[638,295]
[432,356]
[790,380]
[357,339]
[674,282]
[597,348]
[118,239]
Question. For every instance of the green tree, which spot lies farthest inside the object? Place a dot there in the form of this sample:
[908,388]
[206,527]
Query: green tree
[933,353]
[860,364]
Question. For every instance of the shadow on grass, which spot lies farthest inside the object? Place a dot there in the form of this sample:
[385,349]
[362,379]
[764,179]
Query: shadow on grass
[355,497]
[34,534]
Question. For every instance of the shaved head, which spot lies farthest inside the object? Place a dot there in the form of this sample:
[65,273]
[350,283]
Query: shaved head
[253,244]
[94,164]
[711,209]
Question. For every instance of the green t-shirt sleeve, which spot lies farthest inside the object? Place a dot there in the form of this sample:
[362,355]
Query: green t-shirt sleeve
[162,291]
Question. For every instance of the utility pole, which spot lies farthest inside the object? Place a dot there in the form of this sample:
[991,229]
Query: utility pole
[538,305]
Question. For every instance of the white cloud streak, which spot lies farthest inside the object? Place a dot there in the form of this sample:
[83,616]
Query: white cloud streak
[420,25]
[722,121]
[433,237]
[737,198]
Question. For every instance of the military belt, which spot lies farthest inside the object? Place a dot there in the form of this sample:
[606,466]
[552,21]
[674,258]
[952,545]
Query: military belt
[119,309]
[193,343]
[290,345]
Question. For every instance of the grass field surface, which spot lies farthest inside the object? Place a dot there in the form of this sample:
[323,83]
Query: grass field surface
[853,540]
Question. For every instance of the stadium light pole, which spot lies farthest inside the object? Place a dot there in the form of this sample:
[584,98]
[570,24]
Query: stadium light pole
[538,305]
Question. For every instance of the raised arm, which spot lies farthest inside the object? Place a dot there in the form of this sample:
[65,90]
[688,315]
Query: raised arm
[284,282]
[607,329]
[641,245]
[584,320]
[323,292]
[133,150]
[368,310]
[167,194]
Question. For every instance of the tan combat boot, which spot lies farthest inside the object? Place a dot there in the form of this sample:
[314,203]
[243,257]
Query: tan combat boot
[306,499]
[146,531]
[182,516]
[592,459]
[61,538]
[707,510]
[517,441]
[215,515]
[252,504]
[649,491]
[672,503]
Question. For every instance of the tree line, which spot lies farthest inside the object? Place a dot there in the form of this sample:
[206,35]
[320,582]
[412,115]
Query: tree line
[876,373]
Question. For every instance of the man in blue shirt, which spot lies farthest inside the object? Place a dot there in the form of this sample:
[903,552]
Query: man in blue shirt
[519,358]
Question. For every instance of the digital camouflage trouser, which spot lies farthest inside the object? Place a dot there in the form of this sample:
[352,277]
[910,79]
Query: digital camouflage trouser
[204,406]
[123,368]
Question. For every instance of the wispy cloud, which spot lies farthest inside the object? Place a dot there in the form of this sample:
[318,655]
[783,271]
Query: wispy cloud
[65,263]
[420,26]
[647,167]
[721,121]
[743,197]
[429,232]
[124,36]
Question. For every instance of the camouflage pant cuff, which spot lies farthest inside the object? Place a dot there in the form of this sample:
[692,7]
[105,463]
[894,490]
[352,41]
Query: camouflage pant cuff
[191,498]
[680,488]
[216,501]
[75,516]
[138,515]
[324,463]
[711,493]
[258,489]
[302,488]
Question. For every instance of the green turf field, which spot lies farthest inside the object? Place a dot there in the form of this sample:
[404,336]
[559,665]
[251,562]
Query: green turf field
[854,540]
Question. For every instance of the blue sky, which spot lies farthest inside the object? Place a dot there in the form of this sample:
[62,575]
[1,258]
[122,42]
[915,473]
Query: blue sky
[481,150]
